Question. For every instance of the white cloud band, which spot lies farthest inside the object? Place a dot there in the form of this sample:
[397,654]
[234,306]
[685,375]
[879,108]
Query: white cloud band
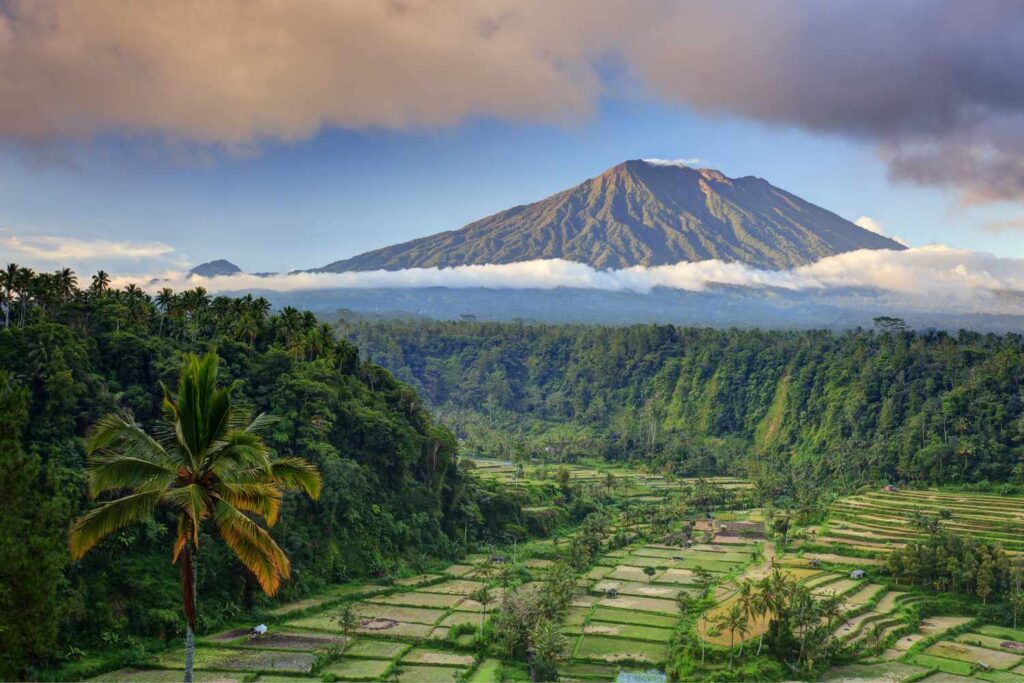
[940,274]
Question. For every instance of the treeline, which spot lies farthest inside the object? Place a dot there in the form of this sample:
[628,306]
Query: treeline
[394,493]
[865,405]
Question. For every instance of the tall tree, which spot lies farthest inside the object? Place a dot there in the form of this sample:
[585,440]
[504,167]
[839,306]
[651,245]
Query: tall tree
[206,461]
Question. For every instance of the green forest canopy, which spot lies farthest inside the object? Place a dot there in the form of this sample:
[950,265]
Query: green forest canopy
[393,493]
[889,405]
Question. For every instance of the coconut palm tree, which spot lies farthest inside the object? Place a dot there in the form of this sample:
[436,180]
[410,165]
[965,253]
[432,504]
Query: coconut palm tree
[100,281]
[206,461]
[9,282]
[736,621]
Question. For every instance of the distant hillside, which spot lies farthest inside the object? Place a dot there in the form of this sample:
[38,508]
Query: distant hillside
[642,213]
[215,268]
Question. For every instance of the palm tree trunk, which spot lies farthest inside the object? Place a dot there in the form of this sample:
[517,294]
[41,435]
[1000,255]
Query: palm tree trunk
[188,596]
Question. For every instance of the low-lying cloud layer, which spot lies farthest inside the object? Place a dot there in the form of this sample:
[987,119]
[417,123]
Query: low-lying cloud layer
[941,274]
[934,84]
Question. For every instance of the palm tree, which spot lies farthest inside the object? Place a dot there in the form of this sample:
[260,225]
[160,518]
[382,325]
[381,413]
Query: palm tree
[205,461]
[9,281]
[736,621]
[100,281]
[164,300]
[747,600]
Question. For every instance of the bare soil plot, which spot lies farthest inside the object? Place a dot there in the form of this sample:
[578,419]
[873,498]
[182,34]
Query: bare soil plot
[844,559]
[837,587]
[457,587]
[627,573]
[459,618]
[908,641]
[460,570]
[973,654]
[935,625]
[583,601]
[417,599]
[863,596]
[991,642]
[629,631]
[632,602]
[438,657]
[887,603]
[412,615]
[683,577]
[292,641]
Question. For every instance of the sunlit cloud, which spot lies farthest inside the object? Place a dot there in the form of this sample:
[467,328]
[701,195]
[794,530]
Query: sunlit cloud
[938,273]
[58,250]
[938,92]
[871,225]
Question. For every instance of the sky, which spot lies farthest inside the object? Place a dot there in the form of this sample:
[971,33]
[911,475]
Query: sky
[144,138]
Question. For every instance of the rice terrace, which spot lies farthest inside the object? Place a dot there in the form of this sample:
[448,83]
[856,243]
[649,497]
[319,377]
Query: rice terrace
[661,578]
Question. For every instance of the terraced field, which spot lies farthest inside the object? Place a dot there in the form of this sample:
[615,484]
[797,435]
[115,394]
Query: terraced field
[882,630]
[626,616]
[625,482]
[880,521]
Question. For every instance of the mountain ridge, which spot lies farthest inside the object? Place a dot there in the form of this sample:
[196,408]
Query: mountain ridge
[641,213]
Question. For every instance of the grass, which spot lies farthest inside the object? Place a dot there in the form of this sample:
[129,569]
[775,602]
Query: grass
[241,660]
[624,616]
[489,671]
[377,649]
[619,650]
[359,669]
[428,674]
[437,658]
[949,666]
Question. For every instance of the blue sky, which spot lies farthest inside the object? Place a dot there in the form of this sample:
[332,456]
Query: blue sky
[289,206]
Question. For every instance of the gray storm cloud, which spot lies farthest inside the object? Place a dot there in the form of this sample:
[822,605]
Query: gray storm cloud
[934,84]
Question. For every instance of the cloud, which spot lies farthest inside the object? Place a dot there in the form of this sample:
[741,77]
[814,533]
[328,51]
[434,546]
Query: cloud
[1009,225]
[930,274]
[55,249]
[934,84]
[687,163]
[236,72]
[871,225]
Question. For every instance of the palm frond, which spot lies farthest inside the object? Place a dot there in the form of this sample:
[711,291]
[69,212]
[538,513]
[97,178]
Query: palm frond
[119,431]
[297,474]
[95,525]
[253,546]
[113,471]
[193,502]
[240,450]
[261,498]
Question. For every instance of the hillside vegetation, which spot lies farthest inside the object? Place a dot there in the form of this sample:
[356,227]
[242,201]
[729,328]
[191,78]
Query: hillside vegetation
[393,492]
[860,406]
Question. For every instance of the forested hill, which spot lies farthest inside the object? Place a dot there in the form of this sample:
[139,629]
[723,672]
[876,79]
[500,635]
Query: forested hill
[392,495]
[873,405]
